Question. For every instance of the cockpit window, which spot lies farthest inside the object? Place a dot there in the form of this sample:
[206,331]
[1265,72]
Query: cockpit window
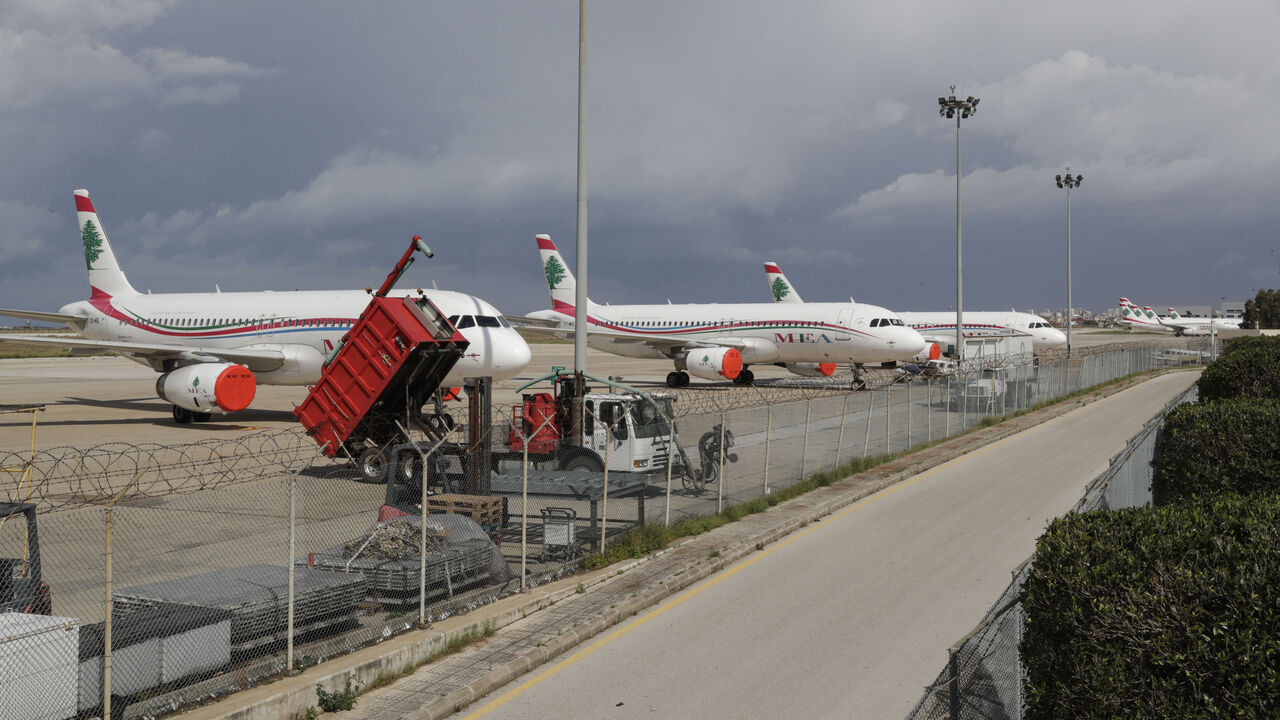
[487,321]
[465,321]
[503,322]
[875,322]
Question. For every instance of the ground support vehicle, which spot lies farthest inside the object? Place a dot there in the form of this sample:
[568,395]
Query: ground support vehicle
[22,586]
[374,386]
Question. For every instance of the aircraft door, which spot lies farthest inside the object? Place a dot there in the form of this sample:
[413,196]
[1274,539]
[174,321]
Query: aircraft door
[844,320]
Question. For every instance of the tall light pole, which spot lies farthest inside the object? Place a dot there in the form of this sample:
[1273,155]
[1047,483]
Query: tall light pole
[1068,181]
[950,107]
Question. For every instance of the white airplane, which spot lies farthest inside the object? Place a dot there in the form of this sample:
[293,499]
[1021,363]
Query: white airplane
[713,341]
[940,327]
[1197,326]
[214,348]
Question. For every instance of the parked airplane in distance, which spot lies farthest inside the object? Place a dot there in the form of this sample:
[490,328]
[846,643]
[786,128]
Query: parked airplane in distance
[1198,325]
[713,341]
[940,327]
[215,348]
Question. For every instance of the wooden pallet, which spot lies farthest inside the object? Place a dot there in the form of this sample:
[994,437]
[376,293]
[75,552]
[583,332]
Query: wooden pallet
[483,510]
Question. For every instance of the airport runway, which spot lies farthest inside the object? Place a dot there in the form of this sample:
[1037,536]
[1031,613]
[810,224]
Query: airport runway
[851,617]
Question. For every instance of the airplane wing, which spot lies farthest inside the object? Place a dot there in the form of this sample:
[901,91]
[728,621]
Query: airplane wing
[255,360]
[670,345]
[76,320]
[532,323]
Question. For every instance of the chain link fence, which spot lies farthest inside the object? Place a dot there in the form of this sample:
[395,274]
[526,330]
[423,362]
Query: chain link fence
[983,678]
[139,579]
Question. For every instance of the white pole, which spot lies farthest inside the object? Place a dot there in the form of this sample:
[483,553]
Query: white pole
[580,296]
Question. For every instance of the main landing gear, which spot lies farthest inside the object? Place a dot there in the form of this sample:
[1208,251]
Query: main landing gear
[745,377]
[183,416]
[677,378]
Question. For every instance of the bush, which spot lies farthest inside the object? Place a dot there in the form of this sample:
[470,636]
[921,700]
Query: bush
[1248,342]
[1168,612]
[1248,370]
[1218,446]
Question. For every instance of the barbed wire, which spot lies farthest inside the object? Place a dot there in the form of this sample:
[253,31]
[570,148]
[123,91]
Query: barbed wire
[68,477]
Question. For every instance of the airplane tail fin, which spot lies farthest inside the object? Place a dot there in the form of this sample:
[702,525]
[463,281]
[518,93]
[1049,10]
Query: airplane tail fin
[1128,311]
[1173,314]
[105,275]
[560,281]
[779,286]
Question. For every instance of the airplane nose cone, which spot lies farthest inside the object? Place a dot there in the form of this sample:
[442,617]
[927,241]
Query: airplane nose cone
[911,342]
[512,355]
[1058,338]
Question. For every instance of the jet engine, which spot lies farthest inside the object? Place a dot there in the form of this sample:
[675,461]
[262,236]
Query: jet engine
[208,387]
[713,363]
[931,351]
[809,369]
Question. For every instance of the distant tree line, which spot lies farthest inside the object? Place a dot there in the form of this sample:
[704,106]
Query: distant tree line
[1263,310]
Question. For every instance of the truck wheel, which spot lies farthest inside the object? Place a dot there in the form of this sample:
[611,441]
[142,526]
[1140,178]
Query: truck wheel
[582,462]
[372,464]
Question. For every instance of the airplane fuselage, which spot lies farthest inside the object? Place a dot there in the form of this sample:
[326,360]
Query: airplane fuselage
[768,332]
[303,325]
[979,323]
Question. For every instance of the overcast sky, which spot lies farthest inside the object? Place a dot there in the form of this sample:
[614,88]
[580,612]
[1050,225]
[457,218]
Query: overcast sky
[299,144]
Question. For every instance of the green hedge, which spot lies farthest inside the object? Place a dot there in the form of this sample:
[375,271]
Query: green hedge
[1248,342]
[1167,612]
[1249,370]
[1217,446]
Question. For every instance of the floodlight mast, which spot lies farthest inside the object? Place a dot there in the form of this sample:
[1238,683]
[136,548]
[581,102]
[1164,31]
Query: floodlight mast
[950,107]
[1069,181]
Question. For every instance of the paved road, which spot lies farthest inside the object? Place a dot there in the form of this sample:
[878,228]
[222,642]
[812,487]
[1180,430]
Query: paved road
[850,617]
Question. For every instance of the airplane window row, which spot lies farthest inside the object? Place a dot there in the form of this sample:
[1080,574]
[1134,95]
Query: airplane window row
[885,322]
[1039,325]
[222,322]
[465,321]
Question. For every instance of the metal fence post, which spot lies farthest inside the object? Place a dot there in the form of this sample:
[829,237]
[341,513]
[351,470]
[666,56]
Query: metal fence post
[908,415]
[671,448]
[293,548]
[720,485]
[844,410]
[604,505]
[953,684]
[946,409]
[804,453]
[768,436]
[866,441]
[928,416]
[888,410]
